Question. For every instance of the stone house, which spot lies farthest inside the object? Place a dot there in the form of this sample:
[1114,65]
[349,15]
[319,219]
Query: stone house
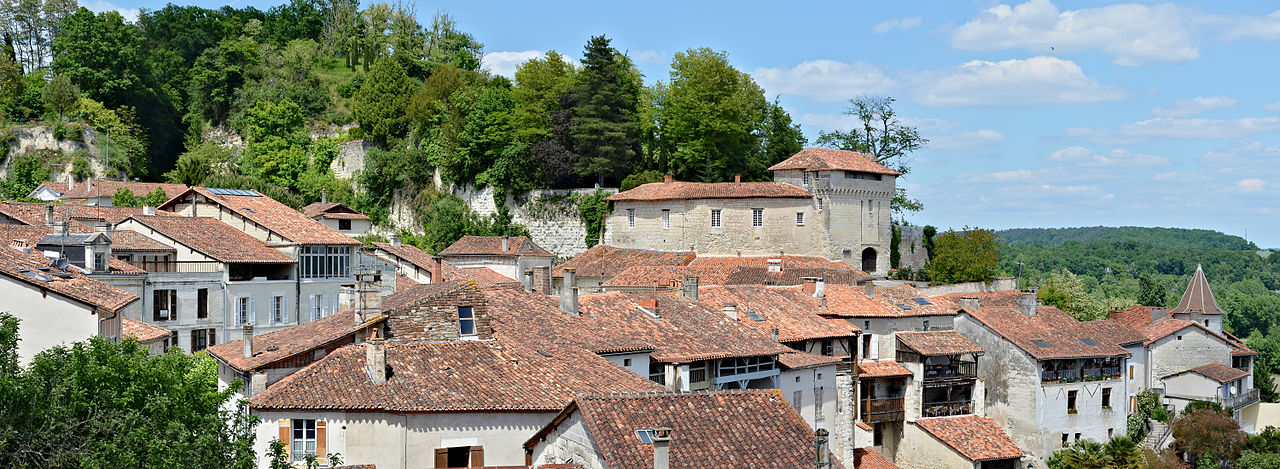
[509,256]
[967,441]
[339,217]
[828,203]
[413,263]
[600,263]
[661,430]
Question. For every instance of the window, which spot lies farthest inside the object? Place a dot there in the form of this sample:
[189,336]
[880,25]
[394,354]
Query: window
[828,348]
[715,218]
[631,218]
[805,174]
[244,309]
[317,307]
[626,362]
[278,306]
[460,456]
[925,326]
[657,372]
[1077,437]
[819,204]
[796,398]
[799,218]
[1071,402]
[699,374]
[1064,440]
[202,303]
[344,225]
[325,261]
[666,219]
[877,435]
[466,321]
[202,339]
[304,439]
[1179,337]
[1130,372]
[1110,432]
[757,217]
[100,265]
[164,304]
[1106,398]
[866,346]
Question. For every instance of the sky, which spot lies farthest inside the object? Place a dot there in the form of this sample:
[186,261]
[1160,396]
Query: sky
[1038,113]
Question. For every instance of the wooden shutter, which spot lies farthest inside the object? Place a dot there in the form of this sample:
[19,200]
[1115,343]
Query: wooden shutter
[321,448]
[252,314]
[477,456]
[213,337]
[155,305]
[442,457]
[285,436]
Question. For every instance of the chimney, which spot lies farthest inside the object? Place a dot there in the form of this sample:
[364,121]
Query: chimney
[1115,315]
[368,295]
[651,304]
[569,293]
[1158,313]
[71,183]
[1027,302]
[324,196]
[89,184]
[666,179]
[731,310]
[690,287]
[542,279]
[506,243]
[823,458]
[395,241]
[48,215]
[437,269]
[148,210]
[871,289]
[375,353]
[528,280]
[248,340]
[969,303]
[737,178]
[820,290]
[662,448]
[773,333]
[810,285]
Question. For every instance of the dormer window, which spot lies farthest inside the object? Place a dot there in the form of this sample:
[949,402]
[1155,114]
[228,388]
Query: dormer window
[466,321]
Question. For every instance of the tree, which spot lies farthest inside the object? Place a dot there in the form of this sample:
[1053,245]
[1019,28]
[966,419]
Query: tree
[100,403]
[31,26]
[1083,454]
[25,174]
[379,106]
[1151,293]
[445,44]
[540,85]
[883,136]
[1208,433]
[1124,453]
[103,55]
[124,198]
[61,96]
[1066,291]
[605,128]
[197,164]
[277,151]
[1255,460]
[964,256]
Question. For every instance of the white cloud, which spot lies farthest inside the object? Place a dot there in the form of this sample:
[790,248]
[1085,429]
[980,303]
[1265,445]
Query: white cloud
[650,57]
[1130,33]
[968,139]
[1273,106]
[1015,82]
[99,6]
[1114,159]
[897,23]
[1250,185]
[824,80]
[1261,27]
[505,63]
[1179,129]
[1190,107]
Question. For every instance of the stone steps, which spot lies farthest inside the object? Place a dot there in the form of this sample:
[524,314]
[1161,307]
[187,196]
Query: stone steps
[1157,433]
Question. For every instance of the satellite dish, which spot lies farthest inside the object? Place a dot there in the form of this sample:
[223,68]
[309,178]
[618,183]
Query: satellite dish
[61,263]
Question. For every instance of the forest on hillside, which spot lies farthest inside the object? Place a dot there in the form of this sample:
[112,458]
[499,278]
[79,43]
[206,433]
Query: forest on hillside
[1167,238]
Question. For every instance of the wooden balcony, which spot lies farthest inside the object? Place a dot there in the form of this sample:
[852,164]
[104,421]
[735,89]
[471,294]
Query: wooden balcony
[945,409]
[882,410]
[950,372]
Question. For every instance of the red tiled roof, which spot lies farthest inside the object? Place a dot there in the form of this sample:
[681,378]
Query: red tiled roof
[864,426]
[34,213]
[1198,298]
[794,360]
[119,267]
[492,246]
[291,341]
[608,261]
[1139,318]
[826,159]
[485,276]
[468,376]
[847,301]
[143,331]
[881,369]
[409,253]
[938,343]
[679,190]
[403,282]
[867,458]
[28,235]
[1215,371]
[752,428]
[129,240]
[275,216]
[332,210]
[417,293]
[1051,333]
[33,269]
[976,438]
[214,238]
[104,188]
[741,270]
[793,311]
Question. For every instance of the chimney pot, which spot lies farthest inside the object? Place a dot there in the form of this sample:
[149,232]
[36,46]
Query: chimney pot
[666,179]
[1027,302]
[437,270]
[569,293]
[1116,315]
[737,178]
[528,280]
[48,214]
[324,196]
[731,310]
[1158,313]
[248,339]
[810,285]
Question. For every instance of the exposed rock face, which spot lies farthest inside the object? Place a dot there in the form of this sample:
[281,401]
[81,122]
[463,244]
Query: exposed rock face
[37,138]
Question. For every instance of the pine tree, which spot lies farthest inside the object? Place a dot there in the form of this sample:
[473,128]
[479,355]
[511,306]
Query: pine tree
[61,96]
[605,129]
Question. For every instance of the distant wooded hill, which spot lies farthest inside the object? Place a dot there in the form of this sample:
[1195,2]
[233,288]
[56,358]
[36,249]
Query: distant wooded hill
[1161,238]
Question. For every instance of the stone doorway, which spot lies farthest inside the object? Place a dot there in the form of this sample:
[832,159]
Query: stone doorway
[868,260]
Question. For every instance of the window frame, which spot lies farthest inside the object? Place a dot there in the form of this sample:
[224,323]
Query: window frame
[170,301]
[757,217]
[1106,398]
[278,305]
[469,319]
[344,224]
[716,218]
[298,429]
[1072,401]
[631,218]
[799,218]
[666,218]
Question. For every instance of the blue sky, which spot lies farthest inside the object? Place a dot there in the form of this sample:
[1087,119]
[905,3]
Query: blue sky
[1040,114]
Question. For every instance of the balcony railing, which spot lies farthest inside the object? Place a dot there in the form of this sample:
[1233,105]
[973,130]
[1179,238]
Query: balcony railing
[944,409]
[882,410]
[963,370]
[179,266]
[1240,401]
[1067,376]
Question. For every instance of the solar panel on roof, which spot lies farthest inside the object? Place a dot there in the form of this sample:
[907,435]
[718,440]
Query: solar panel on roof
[1089,341]
[1042,344]
[237,192]
[754,316]
[921,301]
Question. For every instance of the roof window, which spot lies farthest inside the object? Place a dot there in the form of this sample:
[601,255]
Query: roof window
[1089,341]
[754,316]
[921,301]
[1042,343]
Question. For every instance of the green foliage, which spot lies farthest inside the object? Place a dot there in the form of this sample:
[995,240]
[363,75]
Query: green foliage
[540,85]
[1119,453]
[445,219]
[1166,238]
[80,168]
[218,73]
[6,142]
[930,232]
[1150,292]
[1267,364]
[124,198]
[277,456]
[964,256]
[348,89]
[1067,292]
[883,136]
[379,105]
[605,128]
[104,404]
[61,96]
[895,242]
[1254,460]
[24,96]
[445,44]
[197,164]
[594,211]
[644,177]
[277,150]
[25,174]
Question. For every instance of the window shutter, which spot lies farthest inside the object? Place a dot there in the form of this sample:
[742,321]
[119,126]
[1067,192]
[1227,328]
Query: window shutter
[477,456]
[286,437]
[322,454]
[155,305]
[252,314]
[442,457]
[284,309]
[213,338]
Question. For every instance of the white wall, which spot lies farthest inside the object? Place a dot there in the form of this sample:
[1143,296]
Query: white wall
[809,382]
[639,362]
[569,442]
[46,319]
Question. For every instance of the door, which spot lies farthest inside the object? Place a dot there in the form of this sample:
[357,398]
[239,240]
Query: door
[868,260]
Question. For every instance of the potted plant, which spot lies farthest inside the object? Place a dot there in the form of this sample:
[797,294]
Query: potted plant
[1072,411]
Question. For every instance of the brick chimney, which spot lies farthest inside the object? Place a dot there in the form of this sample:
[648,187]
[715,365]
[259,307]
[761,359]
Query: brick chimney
[375,353]
[651,304]
[737,179]
[248,340]
[690,287]
[731,310]
[506,243]
[436,269]
[1115,315]
[1027,301]
[569,293]
[969,303]
[542,279]
[666,179]
[662,448]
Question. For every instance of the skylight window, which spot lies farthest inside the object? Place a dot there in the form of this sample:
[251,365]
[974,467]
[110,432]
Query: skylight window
[35,275]
[237,192]
[1089,341]
[921,301]
[1042,344]
[754,316]
[904,306]
[645,436]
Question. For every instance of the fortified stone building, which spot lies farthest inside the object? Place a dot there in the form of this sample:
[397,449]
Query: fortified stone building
[828,203]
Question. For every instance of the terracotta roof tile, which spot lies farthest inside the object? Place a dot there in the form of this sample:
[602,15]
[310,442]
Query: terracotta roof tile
[1051,333]
[332,210]
[34,213]
[469,376]
[143,331]
[826,159]
[608,261]
[796,313]
[1139,318]
[104,188]
[881,369]
[1198,298]
[864,426]
[214,238]
[292,341]
[418,293]
[492,246]
[33,269]
[407,252]
[977,438]
[753,428]
[804,359]
[485,276]
[1215,371]
[938,343]
[119,267]
[129,240]
[679,190]
[866,458]
[273,215]
[740,270]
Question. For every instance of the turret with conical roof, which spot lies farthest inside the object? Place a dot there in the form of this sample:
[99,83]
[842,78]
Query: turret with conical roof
[1198,303]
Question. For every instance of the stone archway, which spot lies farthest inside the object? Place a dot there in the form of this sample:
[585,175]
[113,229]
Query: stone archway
[869,260]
